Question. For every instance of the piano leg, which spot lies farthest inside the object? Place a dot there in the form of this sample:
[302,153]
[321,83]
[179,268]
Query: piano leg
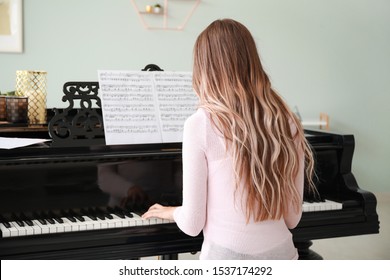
[169,257]
[304,252]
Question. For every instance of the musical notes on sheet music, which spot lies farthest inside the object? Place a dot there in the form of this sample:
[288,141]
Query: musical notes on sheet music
[146,106]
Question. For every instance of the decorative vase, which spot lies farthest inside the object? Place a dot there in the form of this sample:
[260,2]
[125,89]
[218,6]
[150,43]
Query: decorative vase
[17,109]
[3,108]
[149,8]
[157,9]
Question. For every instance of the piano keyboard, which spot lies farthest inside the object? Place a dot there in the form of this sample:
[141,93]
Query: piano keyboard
[74,224]
[326,205]
[48,224]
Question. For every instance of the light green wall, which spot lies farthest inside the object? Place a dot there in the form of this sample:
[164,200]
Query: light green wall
[323,56]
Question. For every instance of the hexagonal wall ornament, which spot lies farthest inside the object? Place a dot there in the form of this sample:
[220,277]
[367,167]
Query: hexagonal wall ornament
[156,16]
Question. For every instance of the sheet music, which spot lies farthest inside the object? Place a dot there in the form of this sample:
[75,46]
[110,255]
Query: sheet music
[145,107]
[12,143]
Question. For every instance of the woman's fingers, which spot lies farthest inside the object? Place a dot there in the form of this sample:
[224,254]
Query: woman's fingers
[152,211]
[159,211]
[155,206]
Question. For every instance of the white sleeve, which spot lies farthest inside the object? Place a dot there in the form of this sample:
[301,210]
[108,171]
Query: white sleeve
[191,216]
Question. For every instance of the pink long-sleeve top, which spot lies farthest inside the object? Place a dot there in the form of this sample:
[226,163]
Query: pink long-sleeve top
[212,204]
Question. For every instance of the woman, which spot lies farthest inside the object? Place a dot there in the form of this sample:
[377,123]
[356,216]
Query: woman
[245,155]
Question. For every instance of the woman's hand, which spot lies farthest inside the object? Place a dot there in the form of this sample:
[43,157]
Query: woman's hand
[159,211]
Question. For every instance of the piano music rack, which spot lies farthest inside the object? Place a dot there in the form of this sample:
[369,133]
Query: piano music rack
[80,127]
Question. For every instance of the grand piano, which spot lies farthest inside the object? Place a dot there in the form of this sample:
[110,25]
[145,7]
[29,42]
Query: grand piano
[60,199]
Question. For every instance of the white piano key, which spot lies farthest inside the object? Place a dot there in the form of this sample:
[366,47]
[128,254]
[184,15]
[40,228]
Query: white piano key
[138,220]
[29,229]
[132,222]
[326,205]
[13,230]
[62,227]
[77,225]
[96,224]
[103,223]
[71,226]
[126,221]
[67,226]
[111,223]
[5,232]
[36,228]
[52,227]
[44,228]
[144,222]
[306,207]
[82,225]
[20,231]
[88,222]
[336,205]
[118,221]
[318,206]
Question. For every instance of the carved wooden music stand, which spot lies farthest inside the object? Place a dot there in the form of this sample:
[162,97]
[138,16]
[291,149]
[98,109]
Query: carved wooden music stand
[78,127]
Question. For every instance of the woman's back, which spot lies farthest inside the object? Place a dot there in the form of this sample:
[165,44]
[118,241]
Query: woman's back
[227,235]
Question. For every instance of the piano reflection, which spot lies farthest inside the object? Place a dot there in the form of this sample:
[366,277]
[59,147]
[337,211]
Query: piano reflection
[77,198]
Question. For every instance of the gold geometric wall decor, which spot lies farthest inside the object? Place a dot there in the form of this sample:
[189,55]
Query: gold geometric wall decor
[150,12]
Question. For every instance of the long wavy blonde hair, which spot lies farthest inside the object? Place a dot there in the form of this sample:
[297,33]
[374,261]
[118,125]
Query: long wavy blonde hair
[256,123]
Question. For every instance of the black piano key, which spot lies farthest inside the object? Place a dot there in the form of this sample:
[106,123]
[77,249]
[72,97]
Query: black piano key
[89,213]
[17,219]
[98,215]
[76,215]
[50,220]
[55,217]
[42,221]
[4,222]
[67,215]
[128,213]
[104,212]
[20,223]
[117,211]
[40,218]
[26,219]
[28,222]
[47,218]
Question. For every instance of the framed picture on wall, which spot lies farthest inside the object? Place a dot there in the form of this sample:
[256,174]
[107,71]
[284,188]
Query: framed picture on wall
[11,26]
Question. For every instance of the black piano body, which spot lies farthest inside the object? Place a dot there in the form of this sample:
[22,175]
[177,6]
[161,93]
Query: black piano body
[74,175]
[44,179]
[335,182]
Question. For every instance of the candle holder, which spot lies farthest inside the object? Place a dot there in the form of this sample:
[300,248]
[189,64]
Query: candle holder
[17,108]
[3,109]
[32,84]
